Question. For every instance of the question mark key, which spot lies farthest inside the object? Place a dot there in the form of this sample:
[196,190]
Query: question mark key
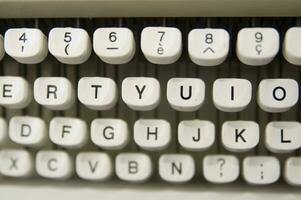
[220,168]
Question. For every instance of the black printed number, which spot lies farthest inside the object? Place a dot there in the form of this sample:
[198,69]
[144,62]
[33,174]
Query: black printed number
[258,37]
[23,37]
[67,37]
[112,37]
[162,35]
[209,38]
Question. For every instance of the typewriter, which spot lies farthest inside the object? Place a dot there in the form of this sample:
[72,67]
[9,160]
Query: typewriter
[149,99]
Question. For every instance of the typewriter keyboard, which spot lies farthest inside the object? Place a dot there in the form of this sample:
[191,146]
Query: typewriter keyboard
[140,99]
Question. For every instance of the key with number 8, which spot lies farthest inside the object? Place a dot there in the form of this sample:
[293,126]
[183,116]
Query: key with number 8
[26,45]
[70,45]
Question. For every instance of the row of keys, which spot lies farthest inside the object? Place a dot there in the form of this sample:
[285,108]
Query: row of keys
[144,93]
[137,167]
[160,45]
[150,134]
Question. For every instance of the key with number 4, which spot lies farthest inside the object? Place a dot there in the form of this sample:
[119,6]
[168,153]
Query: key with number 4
[26,45]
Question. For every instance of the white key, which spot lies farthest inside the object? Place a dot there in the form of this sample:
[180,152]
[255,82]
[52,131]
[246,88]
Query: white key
[261,170]
[109,133]
[185,94]
[240,136]
[208,47]
[29,131]
[277,95]
[283,137]
[70,45]
[231,95]
[26,45]
[257,46]
[54,164]
[176,168]
[2,51]
[68,132]
[141,93]
[3,131]
[114,45]
[94,166]
[133,167]
[196,134]
[55,93]
[292,171]
[15,92]
[292,46]
[97,93]
[16,163]
[152,134]
[220,168]
[161,45]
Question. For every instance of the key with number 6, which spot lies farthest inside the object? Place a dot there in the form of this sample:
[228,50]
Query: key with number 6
[114,45]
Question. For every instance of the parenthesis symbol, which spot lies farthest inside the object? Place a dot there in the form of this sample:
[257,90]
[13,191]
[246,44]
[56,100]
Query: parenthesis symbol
[66,49]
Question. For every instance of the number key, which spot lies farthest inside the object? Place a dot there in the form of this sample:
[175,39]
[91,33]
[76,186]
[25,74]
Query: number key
[70,45]
[161,45]
[114,45]
[26,45]
[257,46]
[208,47]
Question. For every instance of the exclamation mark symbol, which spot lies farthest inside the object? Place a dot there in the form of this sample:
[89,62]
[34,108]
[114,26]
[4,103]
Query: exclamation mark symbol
[261,172]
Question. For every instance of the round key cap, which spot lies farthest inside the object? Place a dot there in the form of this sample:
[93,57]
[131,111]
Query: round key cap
[176,168]
[220,168]
[54,164]
[208,47]
[292,46]
[161,45]
[15,92]
[114,45]
[26,45]
[283,137]
[94,166]
[231,94]
[291,171]
[257,46]
[261,170]
[70,45]
[16,163]
[133,167]
[277,95]
[56,93]
[29,131]
[68,132]
[185,94]
[196,134]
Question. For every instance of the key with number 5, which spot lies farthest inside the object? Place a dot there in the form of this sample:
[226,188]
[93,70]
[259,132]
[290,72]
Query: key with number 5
[70,45]
[26,45]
